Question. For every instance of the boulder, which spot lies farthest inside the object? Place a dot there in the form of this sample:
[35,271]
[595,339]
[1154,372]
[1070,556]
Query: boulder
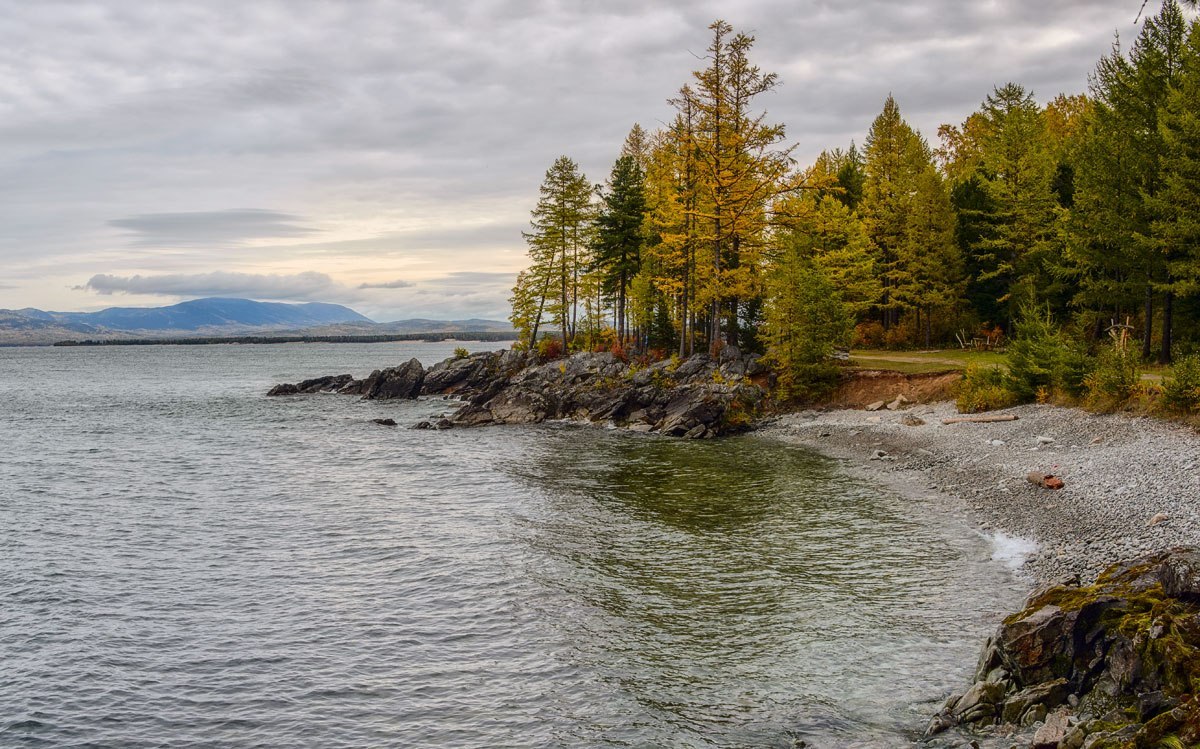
[396,382]
[1111,664]
[1052,733]
[327,384]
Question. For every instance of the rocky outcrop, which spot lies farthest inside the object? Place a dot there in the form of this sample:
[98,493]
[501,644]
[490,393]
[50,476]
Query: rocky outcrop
[470,374]
[697,397]
[332,383]
[1115,664]
[404,381]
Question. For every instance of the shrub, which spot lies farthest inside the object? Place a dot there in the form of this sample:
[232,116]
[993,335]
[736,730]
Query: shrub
[1181,391]
[461,353]
[549,348]
[1116,377]
[868,335]
[898,336]
[985,389]
[1042,361]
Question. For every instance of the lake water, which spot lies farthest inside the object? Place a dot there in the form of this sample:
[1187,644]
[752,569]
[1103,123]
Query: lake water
[187,563]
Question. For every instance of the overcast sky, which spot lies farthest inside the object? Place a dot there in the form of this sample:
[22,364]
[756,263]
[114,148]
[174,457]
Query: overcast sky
[386,154]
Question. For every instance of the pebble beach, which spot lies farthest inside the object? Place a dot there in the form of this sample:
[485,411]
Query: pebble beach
[1131,484]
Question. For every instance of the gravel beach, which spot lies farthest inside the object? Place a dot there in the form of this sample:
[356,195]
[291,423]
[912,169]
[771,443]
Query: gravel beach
[1132,484]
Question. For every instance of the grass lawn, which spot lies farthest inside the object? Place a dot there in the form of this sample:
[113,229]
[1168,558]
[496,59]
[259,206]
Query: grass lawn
[920,362]
[917,362]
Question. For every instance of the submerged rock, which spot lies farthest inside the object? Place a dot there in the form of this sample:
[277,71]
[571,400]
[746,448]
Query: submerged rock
[1115,664]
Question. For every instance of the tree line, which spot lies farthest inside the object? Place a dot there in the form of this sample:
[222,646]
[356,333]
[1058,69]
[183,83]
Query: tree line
[708,234]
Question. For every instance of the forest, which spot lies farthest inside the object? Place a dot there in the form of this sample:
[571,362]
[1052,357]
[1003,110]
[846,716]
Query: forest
[1068,231]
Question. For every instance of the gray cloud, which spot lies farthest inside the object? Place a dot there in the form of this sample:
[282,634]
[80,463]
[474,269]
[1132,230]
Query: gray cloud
[399,284]
[308,286]
[415,133]
[209,228]
[474,278]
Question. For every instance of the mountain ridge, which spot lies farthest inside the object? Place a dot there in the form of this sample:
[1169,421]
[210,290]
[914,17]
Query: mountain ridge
[213,317]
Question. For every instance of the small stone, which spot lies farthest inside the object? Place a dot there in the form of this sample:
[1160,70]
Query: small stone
[1045,480]
[912,421]
[880,455]
[1161,517]
[996,443]
[1052,733]
[1044,440]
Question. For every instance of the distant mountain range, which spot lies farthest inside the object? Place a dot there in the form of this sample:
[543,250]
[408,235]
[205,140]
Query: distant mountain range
[214,317]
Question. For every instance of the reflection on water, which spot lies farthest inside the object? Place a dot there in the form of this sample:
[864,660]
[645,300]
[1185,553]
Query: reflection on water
[186,560]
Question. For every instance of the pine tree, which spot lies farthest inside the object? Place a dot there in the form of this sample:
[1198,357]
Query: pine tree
[740,169]
[805,320]
[822,229]
[1017,169]
[619,234]
[1177,206]
[933,278]
[1119,172]
[558,240]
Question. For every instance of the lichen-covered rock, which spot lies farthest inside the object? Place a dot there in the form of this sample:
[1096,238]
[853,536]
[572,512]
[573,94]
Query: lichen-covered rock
[1114,664]
[697,398]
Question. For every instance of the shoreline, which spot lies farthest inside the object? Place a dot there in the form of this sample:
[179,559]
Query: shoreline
[1120,473]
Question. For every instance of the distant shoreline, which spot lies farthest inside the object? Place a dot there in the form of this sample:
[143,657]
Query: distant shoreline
[436,337]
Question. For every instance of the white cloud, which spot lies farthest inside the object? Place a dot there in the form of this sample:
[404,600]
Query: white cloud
[308,286]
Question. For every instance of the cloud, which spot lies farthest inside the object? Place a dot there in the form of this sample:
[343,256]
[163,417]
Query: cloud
[209,228]
[419,117]
[308,286]
[399,284]
[474,278]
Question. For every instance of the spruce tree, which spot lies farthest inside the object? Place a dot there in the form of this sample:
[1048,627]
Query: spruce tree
[619,234]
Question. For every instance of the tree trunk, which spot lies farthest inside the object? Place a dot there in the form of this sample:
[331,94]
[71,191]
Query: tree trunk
[1147,344]
[1168,324]
[683,322]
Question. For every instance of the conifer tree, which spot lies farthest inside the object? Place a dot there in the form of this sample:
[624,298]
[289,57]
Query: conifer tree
[1114,255]
[559,241]
[805,320]
[619,234]
[1177,206]
[1017,169]
[740,169]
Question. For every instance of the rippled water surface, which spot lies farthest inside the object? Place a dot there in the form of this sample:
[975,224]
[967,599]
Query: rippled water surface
[186,563]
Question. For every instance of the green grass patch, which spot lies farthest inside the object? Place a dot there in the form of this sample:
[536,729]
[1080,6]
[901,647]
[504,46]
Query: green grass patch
[921,362]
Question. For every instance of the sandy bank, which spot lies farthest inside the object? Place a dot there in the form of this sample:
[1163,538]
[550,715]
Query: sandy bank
[1120,472]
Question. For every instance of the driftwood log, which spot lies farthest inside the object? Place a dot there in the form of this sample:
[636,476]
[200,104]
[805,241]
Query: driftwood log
[981,419]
